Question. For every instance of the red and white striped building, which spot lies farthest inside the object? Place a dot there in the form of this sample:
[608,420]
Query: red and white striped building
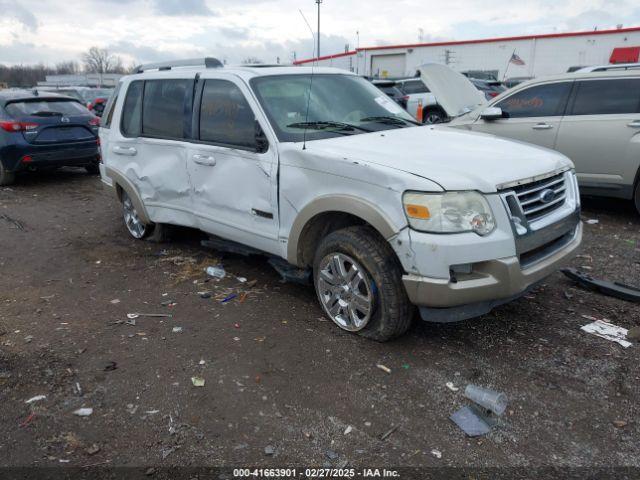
[542,54]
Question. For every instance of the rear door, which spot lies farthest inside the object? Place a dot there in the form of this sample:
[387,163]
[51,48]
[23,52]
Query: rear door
[533,114]
[151,144]
[601,133]
[234,182]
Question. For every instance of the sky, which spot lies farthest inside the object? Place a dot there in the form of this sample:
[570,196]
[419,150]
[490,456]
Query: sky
[139,31]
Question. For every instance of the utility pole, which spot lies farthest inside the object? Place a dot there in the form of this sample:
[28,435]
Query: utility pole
[318,52]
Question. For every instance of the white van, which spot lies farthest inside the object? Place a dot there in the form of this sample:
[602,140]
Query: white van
[321,169]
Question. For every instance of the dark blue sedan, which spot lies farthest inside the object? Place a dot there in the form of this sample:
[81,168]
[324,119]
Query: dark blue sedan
[45,130]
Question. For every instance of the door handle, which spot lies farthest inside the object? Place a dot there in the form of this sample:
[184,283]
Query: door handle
[634,124]
[206,160]
[542,126]
[124,151]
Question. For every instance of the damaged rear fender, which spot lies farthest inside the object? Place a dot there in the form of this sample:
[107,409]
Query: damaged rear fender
[122,183]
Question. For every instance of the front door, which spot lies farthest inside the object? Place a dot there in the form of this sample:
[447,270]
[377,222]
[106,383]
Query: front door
[234,181]
[532,115]
[601,133]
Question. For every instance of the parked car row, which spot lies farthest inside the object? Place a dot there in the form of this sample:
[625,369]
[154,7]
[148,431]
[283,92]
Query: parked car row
[94,99]
[45,130]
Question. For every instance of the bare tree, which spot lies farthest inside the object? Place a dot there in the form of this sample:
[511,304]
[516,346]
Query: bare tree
[67,67]
[99,60]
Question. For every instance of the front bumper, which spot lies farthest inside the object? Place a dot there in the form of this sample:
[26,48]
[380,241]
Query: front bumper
[491,282]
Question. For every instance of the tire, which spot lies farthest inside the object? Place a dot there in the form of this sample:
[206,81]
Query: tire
[6,177]
[636,196]
[433,116]
[92,169]
[378,275]
[132,221]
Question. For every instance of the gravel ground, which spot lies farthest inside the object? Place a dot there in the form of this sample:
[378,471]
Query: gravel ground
[278,376]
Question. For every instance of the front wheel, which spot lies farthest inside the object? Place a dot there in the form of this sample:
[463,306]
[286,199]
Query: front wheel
[637,196]
[431,117]
[358,280]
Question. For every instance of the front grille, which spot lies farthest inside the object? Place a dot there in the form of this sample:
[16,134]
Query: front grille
[534,199]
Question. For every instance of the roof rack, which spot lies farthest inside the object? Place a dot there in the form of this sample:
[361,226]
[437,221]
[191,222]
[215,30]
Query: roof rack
[207,62]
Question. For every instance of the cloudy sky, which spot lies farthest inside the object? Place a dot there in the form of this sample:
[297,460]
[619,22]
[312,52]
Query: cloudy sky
[50,31]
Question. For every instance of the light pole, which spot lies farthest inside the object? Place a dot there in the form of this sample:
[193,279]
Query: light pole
[318,53]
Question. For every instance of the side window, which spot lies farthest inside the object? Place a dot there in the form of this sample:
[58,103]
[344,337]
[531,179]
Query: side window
[605,97]
[163,113]
[225,116]
[132,110]
[539,101]
[416,86]
[107,114]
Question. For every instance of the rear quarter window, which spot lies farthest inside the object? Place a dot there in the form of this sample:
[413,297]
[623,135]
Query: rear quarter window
[607,97]
[131,120]
[107,114]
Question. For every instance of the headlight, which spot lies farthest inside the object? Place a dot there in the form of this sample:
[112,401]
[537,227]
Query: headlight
[450,212]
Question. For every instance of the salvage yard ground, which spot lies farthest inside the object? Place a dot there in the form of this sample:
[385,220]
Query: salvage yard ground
[282,384]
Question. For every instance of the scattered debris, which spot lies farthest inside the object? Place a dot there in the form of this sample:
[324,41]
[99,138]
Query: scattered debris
[197,381]
[228,298]
[132,316]
[132,409]
[269,450]
[241,279]
[28,420]
[452,387]
[331,455]
[131,321]
[93,449]
[389,432]
[348,430]
[204,294]
[115,301]
[619,423]
[83,412]
[383,368]
[608,331]
[28,338]
[436,453]
[216,272]
[110,366]
[201,362]
[592,221]
[487,398]
[613,289]
[176,330]
[165,452]
[37,398]
[472,421]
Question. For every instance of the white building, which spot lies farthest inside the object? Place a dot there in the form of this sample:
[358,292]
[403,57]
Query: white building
[81,80]
[542,54]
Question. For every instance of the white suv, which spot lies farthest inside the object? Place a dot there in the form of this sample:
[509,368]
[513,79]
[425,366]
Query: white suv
[321,169]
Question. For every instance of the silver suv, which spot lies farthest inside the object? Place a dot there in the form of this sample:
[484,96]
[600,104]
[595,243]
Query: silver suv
[321,169]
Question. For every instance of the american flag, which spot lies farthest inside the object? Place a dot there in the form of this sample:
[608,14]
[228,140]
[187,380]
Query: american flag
[516,60]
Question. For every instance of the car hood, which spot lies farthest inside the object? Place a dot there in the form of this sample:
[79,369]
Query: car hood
[454,159]
[455,92]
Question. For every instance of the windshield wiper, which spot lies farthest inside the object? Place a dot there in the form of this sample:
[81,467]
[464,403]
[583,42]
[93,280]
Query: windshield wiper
[320,125]
[389,120]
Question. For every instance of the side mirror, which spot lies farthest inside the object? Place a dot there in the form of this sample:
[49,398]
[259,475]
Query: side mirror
[491,113]
[262,144]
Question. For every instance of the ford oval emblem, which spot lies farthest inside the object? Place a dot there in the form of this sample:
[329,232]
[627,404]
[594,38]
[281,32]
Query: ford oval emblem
[64,119]
[547,195]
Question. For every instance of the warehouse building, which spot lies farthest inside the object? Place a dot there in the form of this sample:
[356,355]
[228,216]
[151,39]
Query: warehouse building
[523,56]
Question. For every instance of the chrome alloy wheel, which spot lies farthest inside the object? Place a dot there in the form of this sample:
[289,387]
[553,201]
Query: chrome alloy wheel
[344,291]
[134,224]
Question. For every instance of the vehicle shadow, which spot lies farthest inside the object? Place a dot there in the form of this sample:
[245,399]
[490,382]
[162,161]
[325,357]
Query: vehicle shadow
[48,177]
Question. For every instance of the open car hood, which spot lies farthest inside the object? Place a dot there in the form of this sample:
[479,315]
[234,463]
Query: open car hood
[453,91]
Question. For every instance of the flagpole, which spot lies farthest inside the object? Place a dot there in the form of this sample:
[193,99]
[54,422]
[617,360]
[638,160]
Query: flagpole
[506,69]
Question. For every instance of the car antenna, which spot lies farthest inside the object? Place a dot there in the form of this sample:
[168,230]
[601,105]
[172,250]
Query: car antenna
[306,117]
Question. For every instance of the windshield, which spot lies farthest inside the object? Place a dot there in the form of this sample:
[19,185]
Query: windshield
[45,108]
[338,105]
